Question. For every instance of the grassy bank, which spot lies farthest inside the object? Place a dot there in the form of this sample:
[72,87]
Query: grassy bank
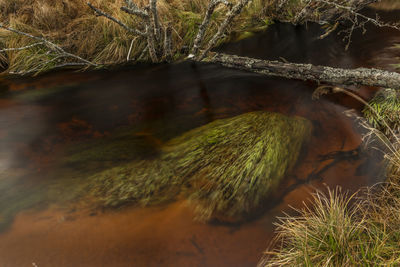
[75,27]
[342,230]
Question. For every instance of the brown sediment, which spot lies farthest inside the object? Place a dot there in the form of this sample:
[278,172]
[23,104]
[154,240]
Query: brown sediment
[157,236]
[167,235]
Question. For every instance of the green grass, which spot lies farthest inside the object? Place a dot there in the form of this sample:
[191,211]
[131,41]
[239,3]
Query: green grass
[385,106]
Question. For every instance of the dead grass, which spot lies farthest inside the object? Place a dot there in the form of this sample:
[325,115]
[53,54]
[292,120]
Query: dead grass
[74,26]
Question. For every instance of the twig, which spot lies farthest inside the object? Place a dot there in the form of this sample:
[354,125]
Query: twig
[351,11]
[154,19]
[222,29]
[130,50]
[49,44]
[123,25]
[302,13]
[151,43]
[204,25]
[329,31]
[168,43]
[145,50]
[21,48]
[135,11]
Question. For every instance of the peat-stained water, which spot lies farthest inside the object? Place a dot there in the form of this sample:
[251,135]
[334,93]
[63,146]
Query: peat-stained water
[46,119]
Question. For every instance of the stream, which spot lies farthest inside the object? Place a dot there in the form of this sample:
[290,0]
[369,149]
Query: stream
[59,128]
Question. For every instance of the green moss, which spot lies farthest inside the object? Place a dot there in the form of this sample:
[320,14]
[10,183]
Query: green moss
[226,167]
[386,104]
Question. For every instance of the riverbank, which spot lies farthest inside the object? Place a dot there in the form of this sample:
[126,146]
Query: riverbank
[77,29]
[77,37]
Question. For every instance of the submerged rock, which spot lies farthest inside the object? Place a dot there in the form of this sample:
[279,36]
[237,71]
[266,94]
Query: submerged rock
[225,167]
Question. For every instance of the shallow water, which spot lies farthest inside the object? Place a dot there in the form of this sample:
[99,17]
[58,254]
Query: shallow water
[48,121]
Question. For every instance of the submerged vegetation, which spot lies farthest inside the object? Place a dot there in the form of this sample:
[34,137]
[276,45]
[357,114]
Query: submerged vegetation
[226,167]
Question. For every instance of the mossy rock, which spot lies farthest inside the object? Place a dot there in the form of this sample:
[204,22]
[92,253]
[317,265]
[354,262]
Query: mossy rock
[386,104]
[225,167]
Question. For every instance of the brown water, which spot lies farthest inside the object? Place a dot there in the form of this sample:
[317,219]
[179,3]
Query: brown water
[44,119]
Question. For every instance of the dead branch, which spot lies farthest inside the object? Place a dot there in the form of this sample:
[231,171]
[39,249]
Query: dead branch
[320,74]
[57,50]
[151,43]
[133,9]
[123,25]
[154,19]
[151,24]
[21,48]
[233,13]
[204,25]
[168,43]
[358,20]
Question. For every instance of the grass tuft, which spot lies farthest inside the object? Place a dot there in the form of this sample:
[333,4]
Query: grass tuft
[341,230]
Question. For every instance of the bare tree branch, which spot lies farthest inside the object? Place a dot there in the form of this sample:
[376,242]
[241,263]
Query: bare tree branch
[55,48]
[338,76]
[151,43]
[154,19]
[204,25]
[21,48]
[168,43]
[136,12]
[351,11]
[123,25]
[222,29]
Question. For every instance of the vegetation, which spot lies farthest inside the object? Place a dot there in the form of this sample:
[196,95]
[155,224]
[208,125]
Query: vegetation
[385,106]
[76,28]
[226,167]
[346,231]
[336,232]
[70,34]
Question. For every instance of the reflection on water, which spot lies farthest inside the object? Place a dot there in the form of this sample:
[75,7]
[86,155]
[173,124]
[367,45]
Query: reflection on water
[59,129]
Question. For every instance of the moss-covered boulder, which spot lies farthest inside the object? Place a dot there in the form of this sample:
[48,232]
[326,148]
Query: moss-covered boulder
[225,167]
[386,105]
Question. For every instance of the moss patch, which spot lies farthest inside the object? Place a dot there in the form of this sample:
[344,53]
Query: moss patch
[225,167]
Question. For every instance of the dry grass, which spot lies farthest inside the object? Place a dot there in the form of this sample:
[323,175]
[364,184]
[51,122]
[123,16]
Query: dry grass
[74,26]
[337,232]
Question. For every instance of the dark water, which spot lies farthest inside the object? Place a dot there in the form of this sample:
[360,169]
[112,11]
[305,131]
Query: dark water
[45,122]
